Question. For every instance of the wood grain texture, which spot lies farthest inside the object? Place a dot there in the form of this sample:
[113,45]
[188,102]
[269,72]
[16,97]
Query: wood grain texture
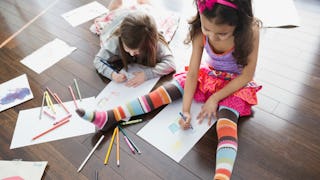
[279,141]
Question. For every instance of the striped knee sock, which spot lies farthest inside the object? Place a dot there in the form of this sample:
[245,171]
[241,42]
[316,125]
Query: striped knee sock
[227,148]
[162,95]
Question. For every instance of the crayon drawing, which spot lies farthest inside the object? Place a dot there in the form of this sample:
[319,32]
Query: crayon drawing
[115,94]
[103,101]
[14,92]
[13,95]
[174,141]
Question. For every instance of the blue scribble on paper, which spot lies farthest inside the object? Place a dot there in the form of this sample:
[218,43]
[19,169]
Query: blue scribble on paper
[17,94]
[174,127]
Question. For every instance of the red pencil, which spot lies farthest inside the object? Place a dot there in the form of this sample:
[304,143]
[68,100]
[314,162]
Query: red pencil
[62,119]
[51,129]
[73,97]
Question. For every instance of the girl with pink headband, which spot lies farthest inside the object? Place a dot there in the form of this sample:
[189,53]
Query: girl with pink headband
[229,33]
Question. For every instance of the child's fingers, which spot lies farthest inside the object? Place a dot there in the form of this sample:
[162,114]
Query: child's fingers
[184,124]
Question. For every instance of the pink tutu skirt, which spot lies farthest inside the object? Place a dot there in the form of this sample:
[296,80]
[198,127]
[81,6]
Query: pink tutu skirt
[211,81]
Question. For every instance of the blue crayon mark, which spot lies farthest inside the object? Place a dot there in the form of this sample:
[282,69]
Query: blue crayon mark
[17,94]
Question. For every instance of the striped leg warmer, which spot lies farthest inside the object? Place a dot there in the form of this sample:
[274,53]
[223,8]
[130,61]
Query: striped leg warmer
[162,95]
[227,144]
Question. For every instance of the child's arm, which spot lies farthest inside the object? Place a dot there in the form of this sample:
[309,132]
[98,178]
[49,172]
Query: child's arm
[192,78]
[103,69]
[164,66]
[108,51]
[235,84]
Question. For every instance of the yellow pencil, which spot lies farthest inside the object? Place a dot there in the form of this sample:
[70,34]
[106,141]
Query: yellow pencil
[49,102]
[110,147]
[118,148]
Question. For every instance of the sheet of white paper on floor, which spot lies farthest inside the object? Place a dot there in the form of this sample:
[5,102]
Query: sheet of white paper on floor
[116,94]
[29,125]
[47,55]
[84,13]
[164,132]
[17,170]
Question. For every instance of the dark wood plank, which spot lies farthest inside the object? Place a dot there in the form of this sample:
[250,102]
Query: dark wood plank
[279,141]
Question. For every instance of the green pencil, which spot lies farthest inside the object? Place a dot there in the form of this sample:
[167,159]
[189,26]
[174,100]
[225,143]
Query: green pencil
[131,122]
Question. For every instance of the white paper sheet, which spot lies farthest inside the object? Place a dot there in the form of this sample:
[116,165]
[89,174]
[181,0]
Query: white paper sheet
[47,55]
[84,13]
[14,92]
[164,132]
[29,125]
[275,13]
[22,170]
[115,94]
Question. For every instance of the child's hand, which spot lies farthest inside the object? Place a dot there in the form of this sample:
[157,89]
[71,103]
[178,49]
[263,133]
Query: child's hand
[118,77]
[138,79]
[208,110]
[185,124]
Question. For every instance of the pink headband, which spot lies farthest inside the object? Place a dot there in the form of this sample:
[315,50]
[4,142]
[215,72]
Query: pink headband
[208,4]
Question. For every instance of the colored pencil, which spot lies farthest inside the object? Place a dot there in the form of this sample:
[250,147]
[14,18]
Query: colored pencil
[118,147]
[42,104]
[49,114]
[62,119]
[184,118]
[130,140]
[110,147]
[51,129]
[90,154]
[129,144]
[96,175]
[77,87]
[61,103]
[131,122]
[51,93]
[49,102]
[73,97]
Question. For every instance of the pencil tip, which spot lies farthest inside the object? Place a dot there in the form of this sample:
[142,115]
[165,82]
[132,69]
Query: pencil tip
[80,112]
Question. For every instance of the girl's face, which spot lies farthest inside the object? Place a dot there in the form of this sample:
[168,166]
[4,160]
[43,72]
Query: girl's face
[216,32]
[132,52]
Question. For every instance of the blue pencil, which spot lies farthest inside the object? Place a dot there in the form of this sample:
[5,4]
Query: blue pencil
[184,118]
[105,62]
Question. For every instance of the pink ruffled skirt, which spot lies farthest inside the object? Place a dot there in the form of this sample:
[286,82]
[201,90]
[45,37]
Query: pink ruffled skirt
[211,81]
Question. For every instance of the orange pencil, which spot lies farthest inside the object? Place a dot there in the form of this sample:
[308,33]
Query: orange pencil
[51,93]
[51,129]
[62,119]
[61,103]
[73,97]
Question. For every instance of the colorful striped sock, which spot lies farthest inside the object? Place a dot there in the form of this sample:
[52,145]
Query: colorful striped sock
[162,95]
[227,147]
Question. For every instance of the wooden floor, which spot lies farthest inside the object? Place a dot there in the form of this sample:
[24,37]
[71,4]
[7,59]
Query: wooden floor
[280,141]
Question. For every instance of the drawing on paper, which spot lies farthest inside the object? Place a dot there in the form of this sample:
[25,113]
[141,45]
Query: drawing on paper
[13,95]
[14,92]
[13,178]
[103,102]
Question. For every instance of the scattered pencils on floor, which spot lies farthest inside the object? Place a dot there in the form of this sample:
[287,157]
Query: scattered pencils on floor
[116,136]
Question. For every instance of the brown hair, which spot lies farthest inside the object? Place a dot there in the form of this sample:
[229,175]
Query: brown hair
[139,31]
[242,18]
